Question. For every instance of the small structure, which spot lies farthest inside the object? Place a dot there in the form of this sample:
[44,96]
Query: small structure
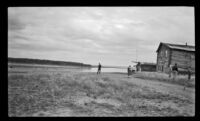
[145,66]
[169,54]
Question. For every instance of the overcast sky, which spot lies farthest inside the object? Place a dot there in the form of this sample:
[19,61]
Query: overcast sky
[110,35]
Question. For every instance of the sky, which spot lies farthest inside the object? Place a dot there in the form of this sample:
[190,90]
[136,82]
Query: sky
[109,35]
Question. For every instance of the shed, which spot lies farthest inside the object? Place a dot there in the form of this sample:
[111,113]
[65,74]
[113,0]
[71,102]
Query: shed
[145,66]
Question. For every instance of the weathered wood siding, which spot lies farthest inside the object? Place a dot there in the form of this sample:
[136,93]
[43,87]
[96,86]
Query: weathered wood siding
[150,68]
[184,59]
[167,56]
[163,59]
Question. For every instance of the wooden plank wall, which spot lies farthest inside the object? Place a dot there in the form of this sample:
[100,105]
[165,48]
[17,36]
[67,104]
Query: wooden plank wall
[184,59]
[162,59]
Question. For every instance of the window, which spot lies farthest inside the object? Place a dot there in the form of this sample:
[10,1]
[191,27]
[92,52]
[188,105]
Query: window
[166,53]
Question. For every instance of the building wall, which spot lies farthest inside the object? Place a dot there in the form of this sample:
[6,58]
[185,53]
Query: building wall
[184,59]
[150,68]
[163,59]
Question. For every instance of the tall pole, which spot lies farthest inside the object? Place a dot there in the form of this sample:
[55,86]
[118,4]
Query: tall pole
[136,54]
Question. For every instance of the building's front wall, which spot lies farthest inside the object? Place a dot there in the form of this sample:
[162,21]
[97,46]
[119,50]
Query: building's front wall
[163,59]
[184,59]
[150,68]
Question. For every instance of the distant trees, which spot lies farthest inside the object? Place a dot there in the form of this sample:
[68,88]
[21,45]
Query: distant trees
[47,62]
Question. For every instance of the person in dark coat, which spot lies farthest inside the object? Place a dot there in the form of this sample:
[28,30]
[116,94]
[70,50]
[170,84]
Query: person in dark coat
[99,69]
[129,70]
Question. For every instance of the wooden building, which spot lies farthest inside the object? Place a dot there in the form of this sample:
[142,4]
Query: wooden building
[169,54]
[146,66]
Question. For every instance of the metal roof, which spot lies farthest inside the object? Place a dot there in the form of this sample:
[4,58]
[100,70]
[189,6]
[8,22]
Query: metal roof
[178,47]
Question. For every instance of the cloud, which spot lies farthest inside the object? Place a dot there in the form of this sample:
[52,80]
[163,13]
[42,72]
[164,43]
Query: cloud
[15,24]
[91,34]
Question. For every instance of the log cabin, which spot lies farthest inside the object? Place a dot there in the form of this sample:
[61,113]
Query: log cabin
[169,54]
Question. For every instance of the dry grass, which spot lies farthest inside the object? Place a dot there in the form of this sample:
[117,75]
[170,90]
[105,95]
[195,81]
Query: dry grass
[32,93]
[86,94]
[163,77]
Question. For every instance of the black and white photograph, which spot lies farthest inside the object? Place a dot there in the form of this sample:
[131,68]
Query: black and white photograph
[96,61]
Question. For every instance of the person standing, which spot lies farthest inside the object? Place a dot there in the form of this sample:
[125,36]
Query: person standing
[189,77]
[129,70]
[175,71]
[170,71]
[138,66]
[99,69]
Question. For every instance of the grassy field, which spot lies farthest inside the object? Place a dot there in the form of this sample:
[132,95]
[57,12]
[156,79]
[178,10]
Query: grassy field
[54,92]
[163,77]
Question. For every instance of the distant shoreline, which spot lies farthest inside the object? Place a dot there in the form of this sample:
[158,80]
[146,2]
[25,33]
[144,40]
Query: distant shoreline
[45,62]
[59,66]
[10,64]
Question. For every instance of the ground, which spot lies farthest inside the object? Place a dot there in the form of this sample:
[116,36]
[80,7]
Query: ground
[65,93]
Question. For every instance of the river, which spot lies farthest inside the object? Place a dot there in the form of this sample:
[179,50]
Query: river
[38,67]
[106,70]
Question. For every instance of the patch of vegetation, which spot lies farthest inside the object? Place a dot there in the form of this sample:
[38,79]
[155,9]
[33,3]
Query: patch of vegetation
[38,92]
[180,80]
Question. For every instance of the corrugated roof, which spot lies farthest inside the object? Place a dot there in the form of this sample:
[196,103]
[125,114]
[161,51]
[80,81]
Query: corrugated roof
[178,47]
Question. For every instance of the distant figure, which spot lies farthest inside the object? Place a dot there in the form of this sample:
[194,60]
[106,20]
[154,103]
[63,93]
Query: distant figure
[129,70]
[99,69]
[138,66]
[133,69]
[170,71]
[189,71]
[175,71]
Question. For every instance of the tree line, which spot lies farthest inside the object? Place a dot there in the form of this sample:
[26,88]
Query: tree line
[47,62]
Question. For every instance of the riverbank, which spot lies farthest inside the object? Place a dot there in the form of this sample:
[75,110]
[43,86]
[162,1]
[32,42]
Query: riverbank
[59,93]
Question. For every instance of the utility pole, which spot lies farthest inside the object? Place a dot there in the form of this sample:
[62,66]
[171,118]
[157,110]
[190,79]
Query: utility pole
[136,54]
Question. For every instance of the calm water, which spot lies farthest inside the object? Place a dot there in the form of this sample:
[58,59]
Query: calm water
[105,70]
[37,68]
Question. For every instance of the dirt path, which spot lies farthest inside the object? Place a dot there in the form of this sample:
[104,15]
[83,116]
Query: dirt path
[154,99]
